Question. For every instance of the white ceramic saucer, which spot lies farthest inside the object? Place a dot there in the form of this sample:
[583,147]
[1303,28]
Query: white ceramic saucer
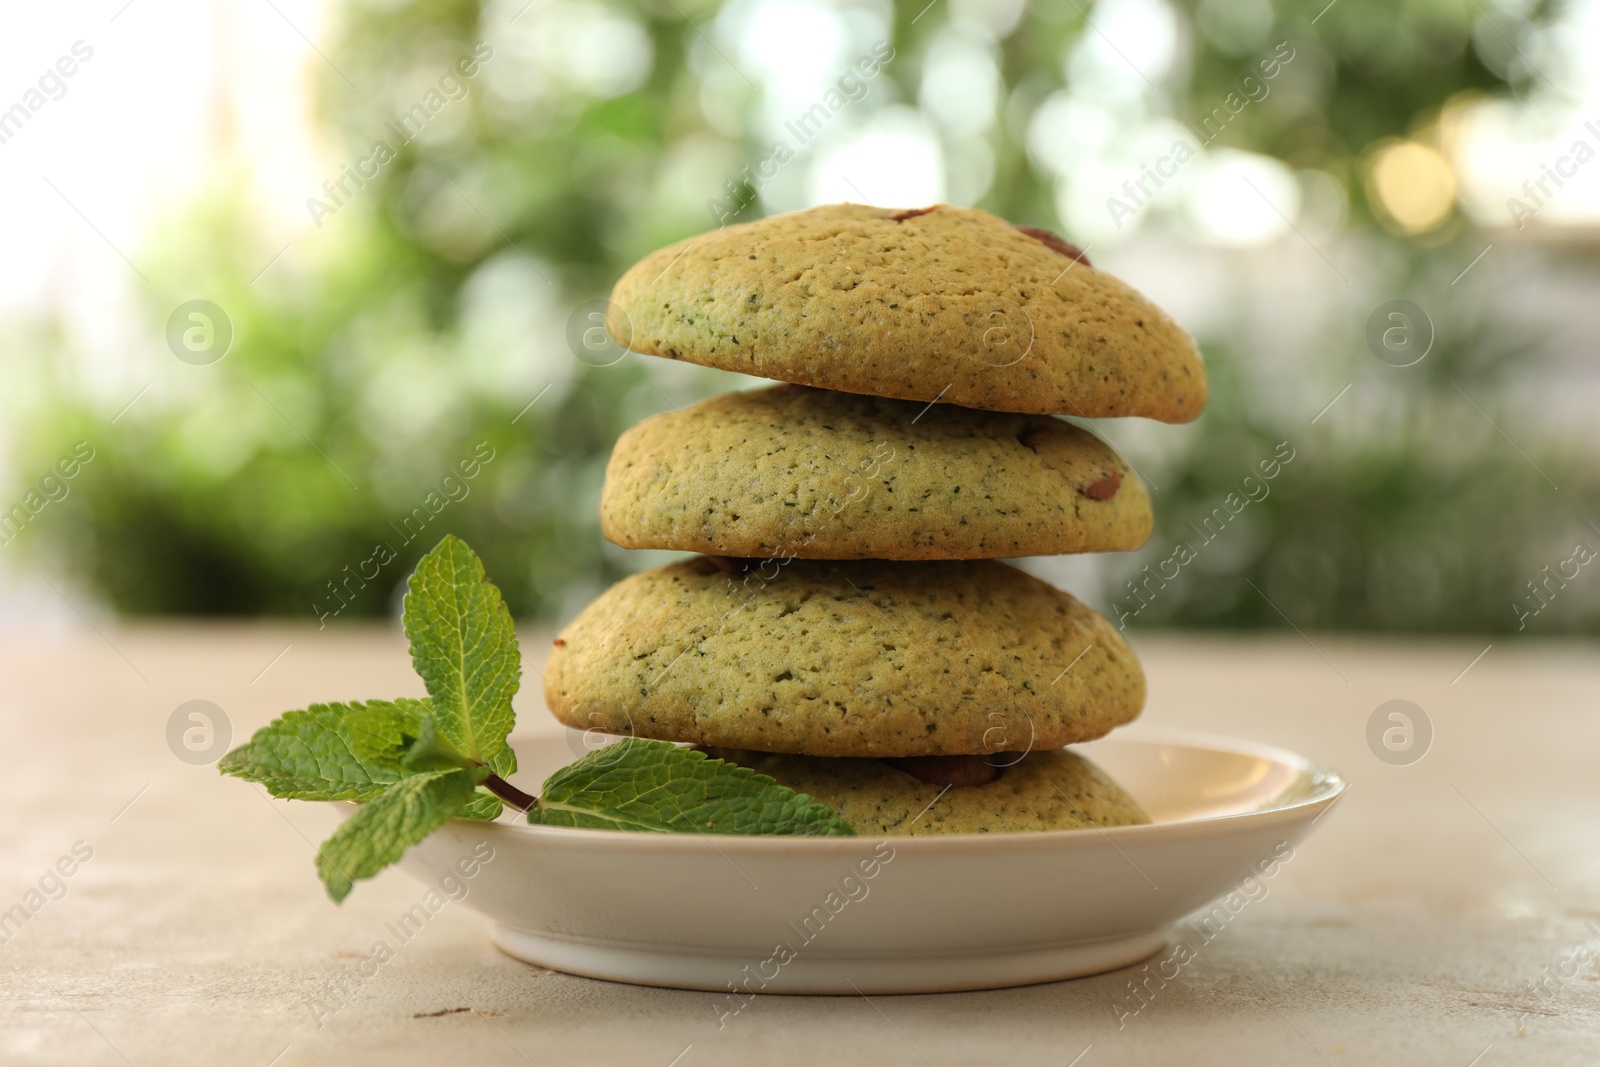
[744,915]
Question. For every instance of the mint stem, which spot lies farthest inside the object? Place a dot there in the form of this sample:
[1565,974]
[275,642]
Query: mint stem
[509,793]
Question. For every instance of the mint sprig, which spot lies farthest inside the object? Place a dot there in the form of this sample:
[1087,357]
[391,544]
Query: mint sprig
[413,764]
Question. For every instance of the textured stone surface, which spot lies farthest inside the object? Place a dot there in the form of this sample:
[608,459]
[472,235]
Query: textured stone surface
[1407,931]
[951,303]
[821,474]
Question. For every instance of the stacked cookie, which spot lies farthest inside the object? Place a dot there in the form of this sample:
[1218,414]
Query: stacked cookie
[848,628]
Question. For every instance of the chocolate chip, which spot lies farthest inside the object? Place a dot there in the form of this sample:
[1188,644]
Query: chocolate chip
[560,642]
[948,770]
[1105,488]
[1051,241]
[910,213]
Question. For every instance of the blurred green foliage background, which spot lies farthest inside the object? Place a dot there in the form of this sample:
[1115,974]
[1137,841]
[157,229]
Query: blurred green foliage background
[443,297]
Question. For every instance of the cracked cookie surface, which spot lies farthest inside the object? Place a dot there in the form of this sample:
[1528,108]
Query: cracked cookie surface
[944,303]
[819,474]
[844,658]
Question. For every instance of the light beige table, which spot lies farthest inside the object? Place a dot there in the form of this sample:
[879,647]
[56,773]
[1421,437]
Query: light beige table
[1411,929]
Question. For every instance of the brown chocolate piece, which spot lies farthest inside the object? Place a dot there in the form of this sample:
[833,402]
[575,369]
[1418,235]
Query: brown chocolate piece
[1051,241]
[1105,488]
[948,770]
[910,213]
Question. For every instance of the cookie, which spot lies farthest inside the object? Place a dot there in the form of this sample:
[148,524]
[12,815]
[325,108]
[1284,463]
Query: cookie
[944,303]
[792,471]
[858,658]
[1046,790]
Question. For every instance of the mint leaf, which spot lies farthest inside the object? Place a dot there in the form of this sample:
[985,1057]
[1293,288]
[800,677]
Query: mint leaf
[465,647]
[422,749]
[379,833]
[431,751]
[383,730]
[324,752]
[484,806]
[635,784]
